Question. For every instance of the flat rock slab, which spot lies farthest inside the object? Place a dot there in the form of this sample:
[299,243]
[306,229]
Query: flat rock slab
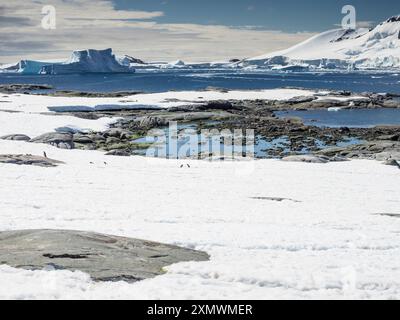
[28,159]
[307,159]
[103,257]
[16,137]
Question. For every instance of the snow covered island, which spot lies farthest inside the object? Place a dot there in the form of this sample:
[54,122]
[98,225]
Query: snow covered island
[378,48]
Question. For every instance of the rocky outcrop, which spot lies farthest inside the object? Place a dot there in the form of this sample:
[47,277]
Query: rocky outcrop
[22,88]
[307,159]
[376,150]
[56,139]
[103,257]
[16,137]
[28,159]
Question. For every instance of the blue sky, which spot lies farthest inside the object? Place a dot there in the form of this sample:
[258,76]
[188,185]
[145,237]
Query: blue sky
[167,30]
[284,15]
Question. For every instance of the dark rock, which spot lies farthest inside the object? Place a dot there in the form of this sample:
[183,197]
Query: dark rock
[22,88]
[119,153]
[59,140]
[277,199]
[16,137]
[103,257]
[117,133]
[28,159]
[392,162]
[392,137]
[152,122]
[82,139]
[307,159]
[67,130]
[112,140]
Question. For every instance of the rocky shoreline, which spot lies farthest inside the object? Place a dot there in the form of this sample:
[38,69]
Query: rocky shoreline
[381,143]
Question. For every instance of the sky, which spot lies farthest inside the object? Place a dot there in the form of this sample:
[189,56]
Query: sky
[167,30]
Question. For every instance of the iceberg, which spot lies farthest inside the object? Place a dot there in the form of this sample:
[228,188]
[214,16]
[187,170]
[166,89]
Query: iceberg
[24,67]
[85,61]
[88,61]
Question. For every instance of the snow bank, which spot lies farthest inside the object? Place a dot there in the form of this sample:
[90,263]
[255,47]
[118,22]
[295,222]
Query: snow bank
[328,245]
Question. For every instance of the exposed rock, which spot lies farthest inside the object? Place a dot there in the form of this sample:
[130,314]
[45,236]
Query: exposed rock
[59,140]
[391,215]
[68,129]
[392,162]
[151,122]
[28,159]
[306,158]
[119,153]
[121,94]
[103,257]
[277,199]
[392,137]
[16,137]
[112,140]
[22,88]
[83,139]
[117,133]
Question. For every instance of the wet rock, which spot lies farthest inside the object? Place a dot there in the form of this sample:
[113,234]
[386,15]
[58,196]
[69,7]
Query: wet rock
[56,139]
[16,137]
[103,257]
[27,159]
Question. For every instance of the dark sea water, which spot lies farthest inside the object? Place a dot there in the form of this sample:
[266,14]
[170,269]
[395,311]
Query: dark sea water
[166,80]
[354,118]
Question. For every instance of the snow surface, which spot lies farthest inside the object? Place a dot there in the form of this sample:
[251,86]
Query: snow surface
[328,245]
[378,48]
[326,242]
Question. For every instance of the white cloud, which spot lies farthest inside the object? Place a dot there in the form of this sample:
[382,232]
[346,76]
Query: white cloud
[97,24]
[365,24]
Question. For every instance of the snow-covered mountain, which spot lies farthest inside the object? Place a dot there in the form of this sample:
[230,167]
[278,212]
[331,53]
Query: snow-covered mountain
[86,61]
[378,48]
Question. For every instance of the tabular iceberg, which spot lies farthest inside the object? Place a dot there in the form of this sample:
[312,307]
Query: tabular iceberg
[86,61]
